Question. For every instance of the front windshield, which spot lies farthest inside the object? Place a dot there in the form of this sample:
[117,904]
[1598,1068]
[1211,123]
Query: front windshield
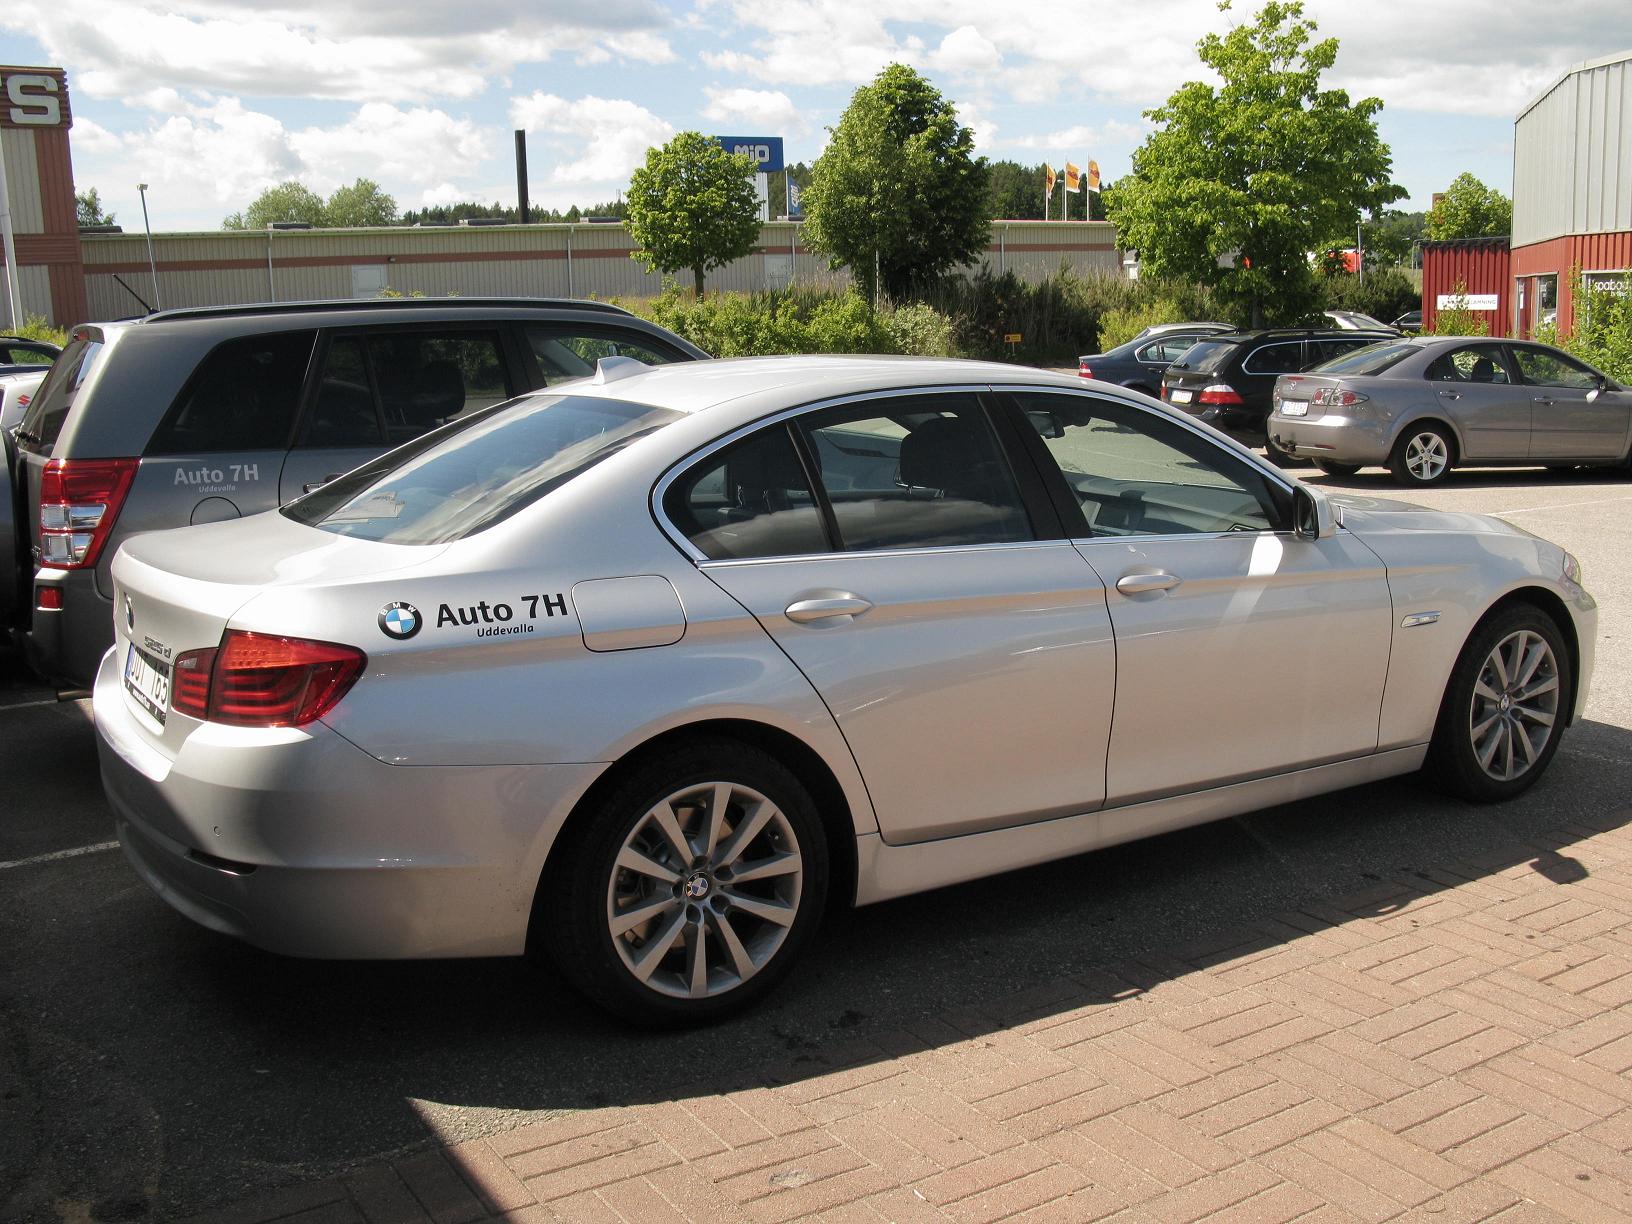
[478,470]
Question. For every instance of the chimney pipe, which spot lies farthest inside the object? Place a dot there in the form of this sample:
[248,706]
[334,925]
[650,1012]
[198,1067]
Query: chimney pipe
[521,177]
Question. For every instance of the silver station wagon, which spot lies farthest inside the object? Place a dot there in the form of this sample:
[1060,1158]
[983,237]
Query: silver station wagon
[643,671]
[1424,406]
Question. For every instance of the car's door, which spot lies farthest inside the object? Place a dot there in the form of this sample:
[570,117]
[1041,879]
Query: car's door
[376,389]
[1567,421]
[960,643]
[1475,387]
[1242,649]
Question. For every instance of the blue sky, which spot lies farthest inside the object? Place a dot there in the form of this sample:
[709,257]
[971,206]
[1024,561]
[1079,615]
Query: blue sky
[210,101]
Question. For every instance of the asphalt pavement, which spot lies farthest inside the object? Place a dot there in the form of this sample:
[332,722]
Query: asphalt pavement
[150,1070]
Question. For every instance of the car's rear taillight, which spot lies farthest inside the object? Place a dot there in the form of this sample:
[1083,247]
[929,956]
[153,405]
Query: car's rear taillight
[1084,369]
[259,680]
[79,501]
[1219,393]
[1339,397]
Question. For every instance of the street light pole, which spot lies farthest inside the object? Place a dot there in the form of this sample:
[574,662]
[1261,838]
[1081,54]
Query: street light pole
[152,266]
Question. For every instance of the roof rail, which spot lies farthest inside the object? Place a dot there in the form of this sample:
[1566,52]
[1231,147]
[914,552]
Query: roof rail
[382,304]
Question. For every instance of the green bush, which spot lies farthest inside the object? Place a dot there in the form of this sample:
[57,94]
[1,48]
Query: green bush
[1121,325]
[1385,294]
[1456,319]
[36,328]
[918,330]
[1603,328]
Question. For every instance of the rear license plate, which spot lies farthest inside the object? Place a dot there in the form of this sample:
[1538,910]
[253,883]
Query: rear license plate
[1294,407]
[147,680]
[1179,396]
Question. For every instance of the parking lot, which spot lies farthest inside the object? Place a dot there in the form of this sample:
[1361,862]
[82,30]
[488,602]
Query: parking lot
[152,1070]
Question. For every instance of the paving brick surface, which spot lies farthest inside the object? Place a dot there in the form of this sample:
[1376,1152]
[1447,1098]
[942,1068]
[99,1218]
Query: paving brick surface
[1452,1046]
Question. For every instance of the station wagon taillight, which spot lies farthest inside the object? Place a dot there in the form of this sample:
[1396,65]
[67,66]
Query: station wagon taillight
[1219,393]
[79,501]
[1084,370]
[261,680]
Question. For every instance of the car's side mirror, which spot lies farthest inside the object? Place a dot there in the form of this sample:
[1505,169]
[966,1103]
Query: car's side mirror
[1313,517]
[1046,423]
[1599,386]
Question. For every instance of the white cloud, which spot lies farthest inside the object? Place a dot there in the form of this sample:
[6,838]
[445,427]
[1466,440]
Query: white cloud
[966,49]
[767,110]
[91,137]
[599,141]
[1087,136]
[385,142]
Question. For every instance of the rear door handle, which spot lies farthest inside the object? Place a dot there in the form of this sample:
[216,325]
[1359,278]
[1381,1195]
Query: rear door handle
[1140,584]
[837,608]
[1450,395]
[1545,399]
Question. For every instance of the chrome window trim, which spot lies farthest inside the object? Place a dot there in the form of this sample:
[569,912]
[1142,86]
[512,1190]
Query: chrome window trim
[787,558]
[688,461]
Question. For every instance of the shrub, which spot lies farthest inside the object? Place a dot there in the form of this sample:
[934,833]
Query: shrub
[1385,294]
[1456,319]
[918,330]
[1603,328]
[35,327]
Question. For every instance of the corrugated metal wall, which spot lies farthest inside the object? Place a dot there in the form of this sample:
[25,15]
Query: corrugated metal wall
[23,181]
[1479,265]
[1572,155]
[230,267]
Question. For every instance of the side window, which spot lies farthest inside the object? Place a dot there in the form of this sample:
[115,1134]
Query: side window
[1477,363]
[915,472]
[344,413]
[1285,357]
[49,409]
[1544,369]
[425,380]
[1318,351]
[1168,349]
[566,352]
[24,356]
[1134,473]
[749,500]
[242,397]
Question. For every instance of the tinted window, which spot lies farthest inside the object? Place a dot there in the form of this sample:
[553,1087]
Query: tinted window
[567,352]
[50,406]
[243,396]
[1319,352]
[1371,359]
[751,499]
[425,380]
[478,471]
[915,472]
[1168,348]
[24,356]
[1205,356]
[343,414]
[1547,369]
[1134,473]
[1476,363]
[1284,357]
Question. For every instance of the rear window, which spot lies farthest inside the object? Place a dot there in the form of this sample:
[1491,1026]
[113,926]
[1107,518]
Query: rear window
[1206,356]
[243,397]
[478,470]
[50,406]
[1372,359]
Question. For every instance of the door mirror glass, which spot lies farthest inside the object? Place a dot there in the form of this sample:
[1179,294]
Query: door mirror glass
[1312,514]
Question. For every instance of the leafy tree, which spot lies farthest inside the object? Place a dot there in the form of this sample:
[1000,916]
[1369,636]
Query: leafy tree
[88,205]
[1392,236]
[1016,192]
[899,195]
[363,203]
[1469,209]
[692,205]
[1240,182]
[290,201]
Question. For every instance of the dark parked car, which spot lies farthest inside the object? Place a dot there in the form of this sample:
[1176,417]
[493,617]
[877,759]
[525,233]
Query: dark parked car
[1228,380]
[194,416]
[1410,321]
[1139,363]
[20,356]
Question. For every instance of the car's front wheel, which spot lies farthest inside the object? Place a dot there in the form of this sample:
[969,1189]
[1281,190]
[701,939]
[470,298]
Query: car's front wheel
[1505,707]
[1423,455]
[690,890]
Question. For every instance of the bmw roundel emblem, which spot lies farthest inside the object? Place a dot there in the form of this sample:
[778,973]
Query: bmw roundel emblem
[400,621]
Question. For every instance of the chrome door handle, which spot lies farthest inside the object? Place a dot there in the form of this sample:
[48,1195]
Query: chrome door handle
[314,485]
[1450,395]
[1140,584]
[1545,399]
[804,611]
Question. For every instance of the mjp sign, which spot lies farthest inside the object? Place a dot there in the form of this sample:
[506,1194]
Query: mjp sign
[765,150]
[34,98]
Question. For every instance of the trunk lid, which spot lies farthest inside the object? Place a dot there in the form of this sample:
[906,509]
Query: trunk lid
[1294,396]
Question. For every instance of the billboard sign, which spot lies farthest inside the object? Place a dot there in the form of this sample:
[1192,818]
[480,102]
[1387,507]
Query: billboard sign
[34,98]
[765,150]
[1468,301]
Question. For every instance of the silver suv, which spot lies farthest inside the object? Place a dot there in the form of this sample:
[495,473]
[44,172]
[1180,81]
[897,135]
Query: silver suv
[194,416]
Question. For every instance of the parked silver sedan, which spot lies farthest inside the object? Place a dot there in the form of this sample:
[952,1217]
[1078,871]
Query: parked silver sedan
[1426,405]
[645,671]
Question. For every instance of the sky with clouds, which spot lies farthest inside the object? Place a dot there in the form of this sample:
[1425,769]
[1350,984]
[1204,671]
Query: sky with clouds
[210,101]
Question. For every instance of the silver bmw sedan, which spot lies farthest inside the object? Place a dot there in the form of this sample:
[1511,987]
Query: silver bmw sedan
[645,671]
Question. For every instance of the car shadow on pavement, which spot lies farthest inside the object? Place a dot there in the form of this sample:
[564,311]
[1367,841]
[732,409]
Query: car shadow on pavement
[215,1071]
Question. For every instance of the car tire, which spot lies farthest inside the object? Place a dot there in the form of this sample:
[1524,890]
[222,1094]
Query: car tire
[1337,469]
[713,941]
[1504,708]
[1423,456]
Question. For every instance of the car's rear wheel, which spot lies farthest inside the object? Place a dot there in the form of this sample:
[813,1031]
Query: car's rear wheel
[691,889]
[1505,707]
[1337,469]
[1423,455]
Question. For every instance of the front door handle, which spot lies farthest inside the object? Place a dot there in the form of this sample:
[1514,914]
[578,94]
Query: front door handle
[1545,399]
[838,608]
[1450,395]
[1140,584]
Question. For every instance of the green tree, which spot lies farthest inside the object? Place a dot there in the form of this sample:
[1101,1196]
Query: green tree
[899,195]
[1016,192]
[363,203]
[692,205]
[1240,182]
[88,206]
[290,201]
[1469,209]
[1392,236]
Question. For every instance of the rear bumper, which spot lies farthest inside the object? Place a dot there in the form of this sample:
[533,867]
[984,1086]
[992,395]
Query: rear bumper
[1333,437]
[300,843]
[65,645]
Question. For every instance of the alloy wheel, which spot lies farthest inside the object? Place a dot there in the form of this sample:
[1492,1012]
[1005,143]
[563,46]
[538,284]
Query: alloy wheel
[1515,705]
[1427,456]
